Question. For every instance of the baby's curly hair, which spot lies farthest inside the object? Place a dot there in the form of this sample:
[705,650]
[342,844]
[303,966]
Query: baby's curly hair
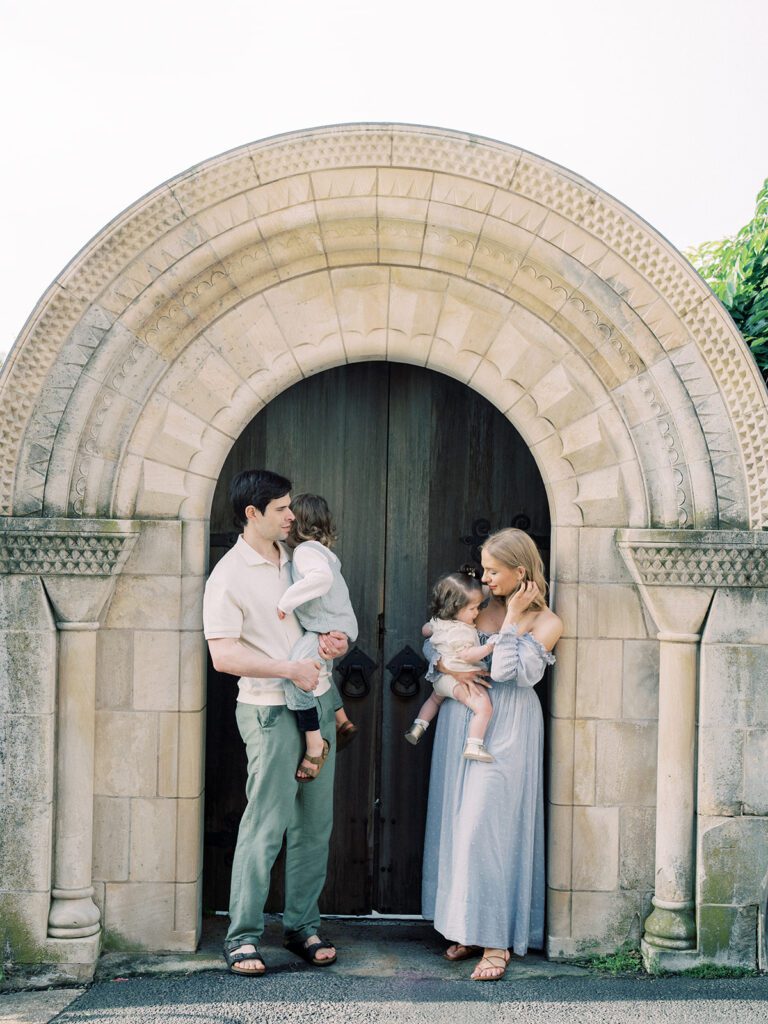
[452,592]
[313,521]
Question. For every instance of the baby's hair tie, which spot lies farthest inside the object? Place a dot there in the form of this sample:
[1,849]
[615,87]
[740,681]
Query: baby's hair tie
[469,570]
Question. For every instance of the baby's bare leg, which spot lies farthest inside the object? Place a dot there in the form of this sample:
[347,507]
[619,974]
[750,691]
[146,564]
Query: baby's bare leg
[430,707]
[480,706]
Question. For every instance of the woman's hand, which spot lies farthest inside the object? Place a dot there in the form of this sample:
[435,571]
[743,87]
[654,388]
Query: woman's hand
[474,677]
[520,602]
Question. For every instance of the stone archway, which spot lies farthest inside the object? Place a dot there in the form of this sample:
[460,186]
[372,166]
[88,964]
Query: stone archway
[154,347]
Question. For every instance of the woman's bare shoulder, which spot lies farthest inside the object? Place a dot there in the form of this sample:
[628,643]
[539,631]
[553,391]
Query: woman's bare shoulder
[548,628]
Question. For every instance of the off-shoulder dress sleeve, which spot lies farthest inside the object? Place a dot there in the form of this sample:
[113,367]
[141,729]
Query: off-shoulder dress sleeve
[519,659]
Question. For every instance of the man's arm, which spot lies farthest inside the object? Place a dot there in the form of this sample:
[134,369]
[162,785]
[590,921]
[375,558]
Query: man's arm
[229,655]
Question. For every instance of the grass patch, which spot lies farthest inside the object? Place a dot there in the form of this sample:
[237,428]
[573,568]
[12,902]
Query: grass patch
[621,961]
[719,971]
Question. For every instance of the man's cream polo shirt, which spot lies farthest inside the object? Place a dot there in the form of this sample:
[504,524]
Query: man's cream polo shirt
[240,602]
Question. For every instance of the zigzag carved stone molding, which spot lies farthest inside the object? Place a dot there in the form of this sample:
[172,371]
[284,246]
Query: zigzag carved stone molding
[66,547]
[696,558]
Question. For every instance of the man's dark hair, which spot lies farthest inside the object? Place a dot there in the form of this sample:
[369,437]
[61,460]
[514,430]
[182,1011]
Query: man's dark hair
[255,487]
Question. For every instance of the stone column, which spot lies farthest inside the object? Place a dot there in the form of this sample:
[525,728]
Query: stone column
[659,561]
[79,562]
[73,913]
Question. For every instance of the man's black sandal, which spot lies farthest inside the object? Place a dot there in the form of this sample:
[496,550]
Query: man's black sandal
[309,953]
[233,959]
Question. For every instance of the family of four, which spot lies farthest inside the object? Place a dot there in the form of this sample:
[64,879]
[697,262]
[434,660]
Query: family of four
[276,613]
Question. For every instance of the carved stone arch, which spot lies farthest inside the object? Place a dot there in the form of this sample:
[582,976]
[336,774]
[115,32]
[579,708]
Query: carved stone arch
[651,375]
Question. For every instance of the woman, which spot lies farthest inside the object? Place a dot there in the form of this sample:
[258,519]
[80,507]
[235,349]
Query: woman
[483,881]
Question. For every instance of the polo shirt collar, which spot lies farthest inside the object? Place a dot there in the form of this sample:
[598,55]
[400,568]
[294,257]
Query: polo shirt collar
[251,557]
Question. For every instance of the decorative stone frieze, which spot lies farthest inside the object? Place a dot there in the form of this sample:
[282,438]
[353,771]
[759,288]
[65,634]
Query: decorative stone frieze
[65,547]
[696,558]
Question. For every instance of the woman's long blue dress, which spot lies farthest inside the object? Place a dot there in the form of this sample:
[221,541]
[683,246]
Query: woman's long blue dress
[483,878]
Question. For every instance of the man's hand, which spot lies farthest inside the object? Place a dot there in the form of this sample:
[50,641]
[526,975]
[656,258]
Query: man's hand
[305,674]
[333,645]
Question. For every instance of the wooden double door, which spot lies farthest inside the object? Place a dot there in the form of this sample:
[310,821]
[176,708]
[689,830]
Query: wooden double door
[417,469]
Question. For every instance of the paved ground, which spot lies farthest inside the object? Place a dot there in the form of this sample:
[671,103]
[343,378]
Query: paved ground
[387,973]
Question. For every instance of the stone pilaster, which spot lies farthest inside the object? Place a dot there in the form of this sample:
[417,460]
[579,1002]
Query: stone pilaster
[677,572]
[78,562]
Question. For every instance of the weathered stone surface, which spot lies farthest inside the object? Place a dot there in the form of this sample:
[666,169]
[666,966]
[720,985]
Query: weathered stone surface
[126,753]
[640,680]
[611,610]
[733,860]
[755,774]
[157,551]
[727,934]
[145,602]
[27,761]
[604,921]
[111,839]
[721,770]
[192,671]
[139,915]
[731,689]
[584,761]
[595,848]
[637,835]
[25,854]
[114,669]
[626,763]
[153,841]
[598,679]
[155,670]
[560,846]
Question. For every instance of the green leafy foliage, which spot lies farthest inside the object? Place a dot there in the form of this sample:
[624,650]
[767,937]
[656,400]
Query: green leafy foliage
[736,269]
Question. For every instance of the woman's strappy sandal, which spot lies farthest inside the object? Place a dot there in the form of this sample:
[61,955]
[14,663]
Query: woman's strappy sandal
[312,770]
[493,962]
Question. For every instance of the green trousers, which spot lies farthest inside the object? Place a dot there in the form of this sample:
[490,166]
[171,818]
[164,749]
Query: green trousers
[279,805]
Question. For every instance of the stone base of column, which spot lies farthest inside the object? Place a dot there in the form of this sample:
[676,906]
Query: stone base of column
[671,924]
[668,961]
[73,914]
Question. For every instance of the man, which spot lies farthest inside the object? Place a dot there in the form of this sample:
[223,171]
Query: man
[247,638]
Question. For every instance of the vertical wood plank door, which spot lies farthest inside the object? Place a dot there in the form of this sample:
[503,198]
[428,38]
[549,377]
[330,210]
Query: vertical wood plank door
[417,469]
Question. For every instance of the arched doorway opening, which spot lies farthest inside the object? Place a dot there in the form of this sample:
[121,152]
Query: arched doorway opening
[417,468]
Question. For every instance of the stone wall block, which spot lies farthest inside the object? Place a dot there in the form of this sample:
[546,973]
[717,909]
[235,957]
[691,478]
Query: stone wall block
[637,844]
[561,761]
[756,772]
[114,669]
[192,589]
[598,679]
[28,759]
[727,935]
[25,862]
[193,669]
[155,670]
[139,915]
[189,841]
[153,841]
[721,770]
[563,702]
[732,861]
[111,835]
[145,602]
[24,927]
[606,920]
[168,755]
[194,547]
[566,606]
[595,848]
[558,913]
[626,763]
[737,616]
[157,551]
[565,562]
[611,610]
[731,687]
[28,670]
[126,753]
[584,761]
[191,745]
[559,846]
[599,558]
[640,680]
[188,915]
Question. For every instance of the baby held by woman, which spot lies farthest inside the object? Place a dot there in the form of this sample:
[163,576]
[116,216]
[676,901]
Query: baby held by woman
[454,607]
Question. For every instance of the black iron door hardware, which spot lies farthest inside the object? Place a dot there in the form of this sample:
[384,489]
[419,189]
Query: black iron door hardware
[407,668]
[355,670]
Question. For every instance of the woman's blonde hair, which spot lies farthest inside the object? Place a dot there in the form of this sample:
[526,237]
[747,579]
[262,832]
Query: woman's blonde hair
[313,521]
[514,548]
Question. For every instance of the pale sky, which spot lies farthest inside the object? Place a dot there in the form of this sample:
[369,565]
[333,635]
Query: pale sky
[660,102]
